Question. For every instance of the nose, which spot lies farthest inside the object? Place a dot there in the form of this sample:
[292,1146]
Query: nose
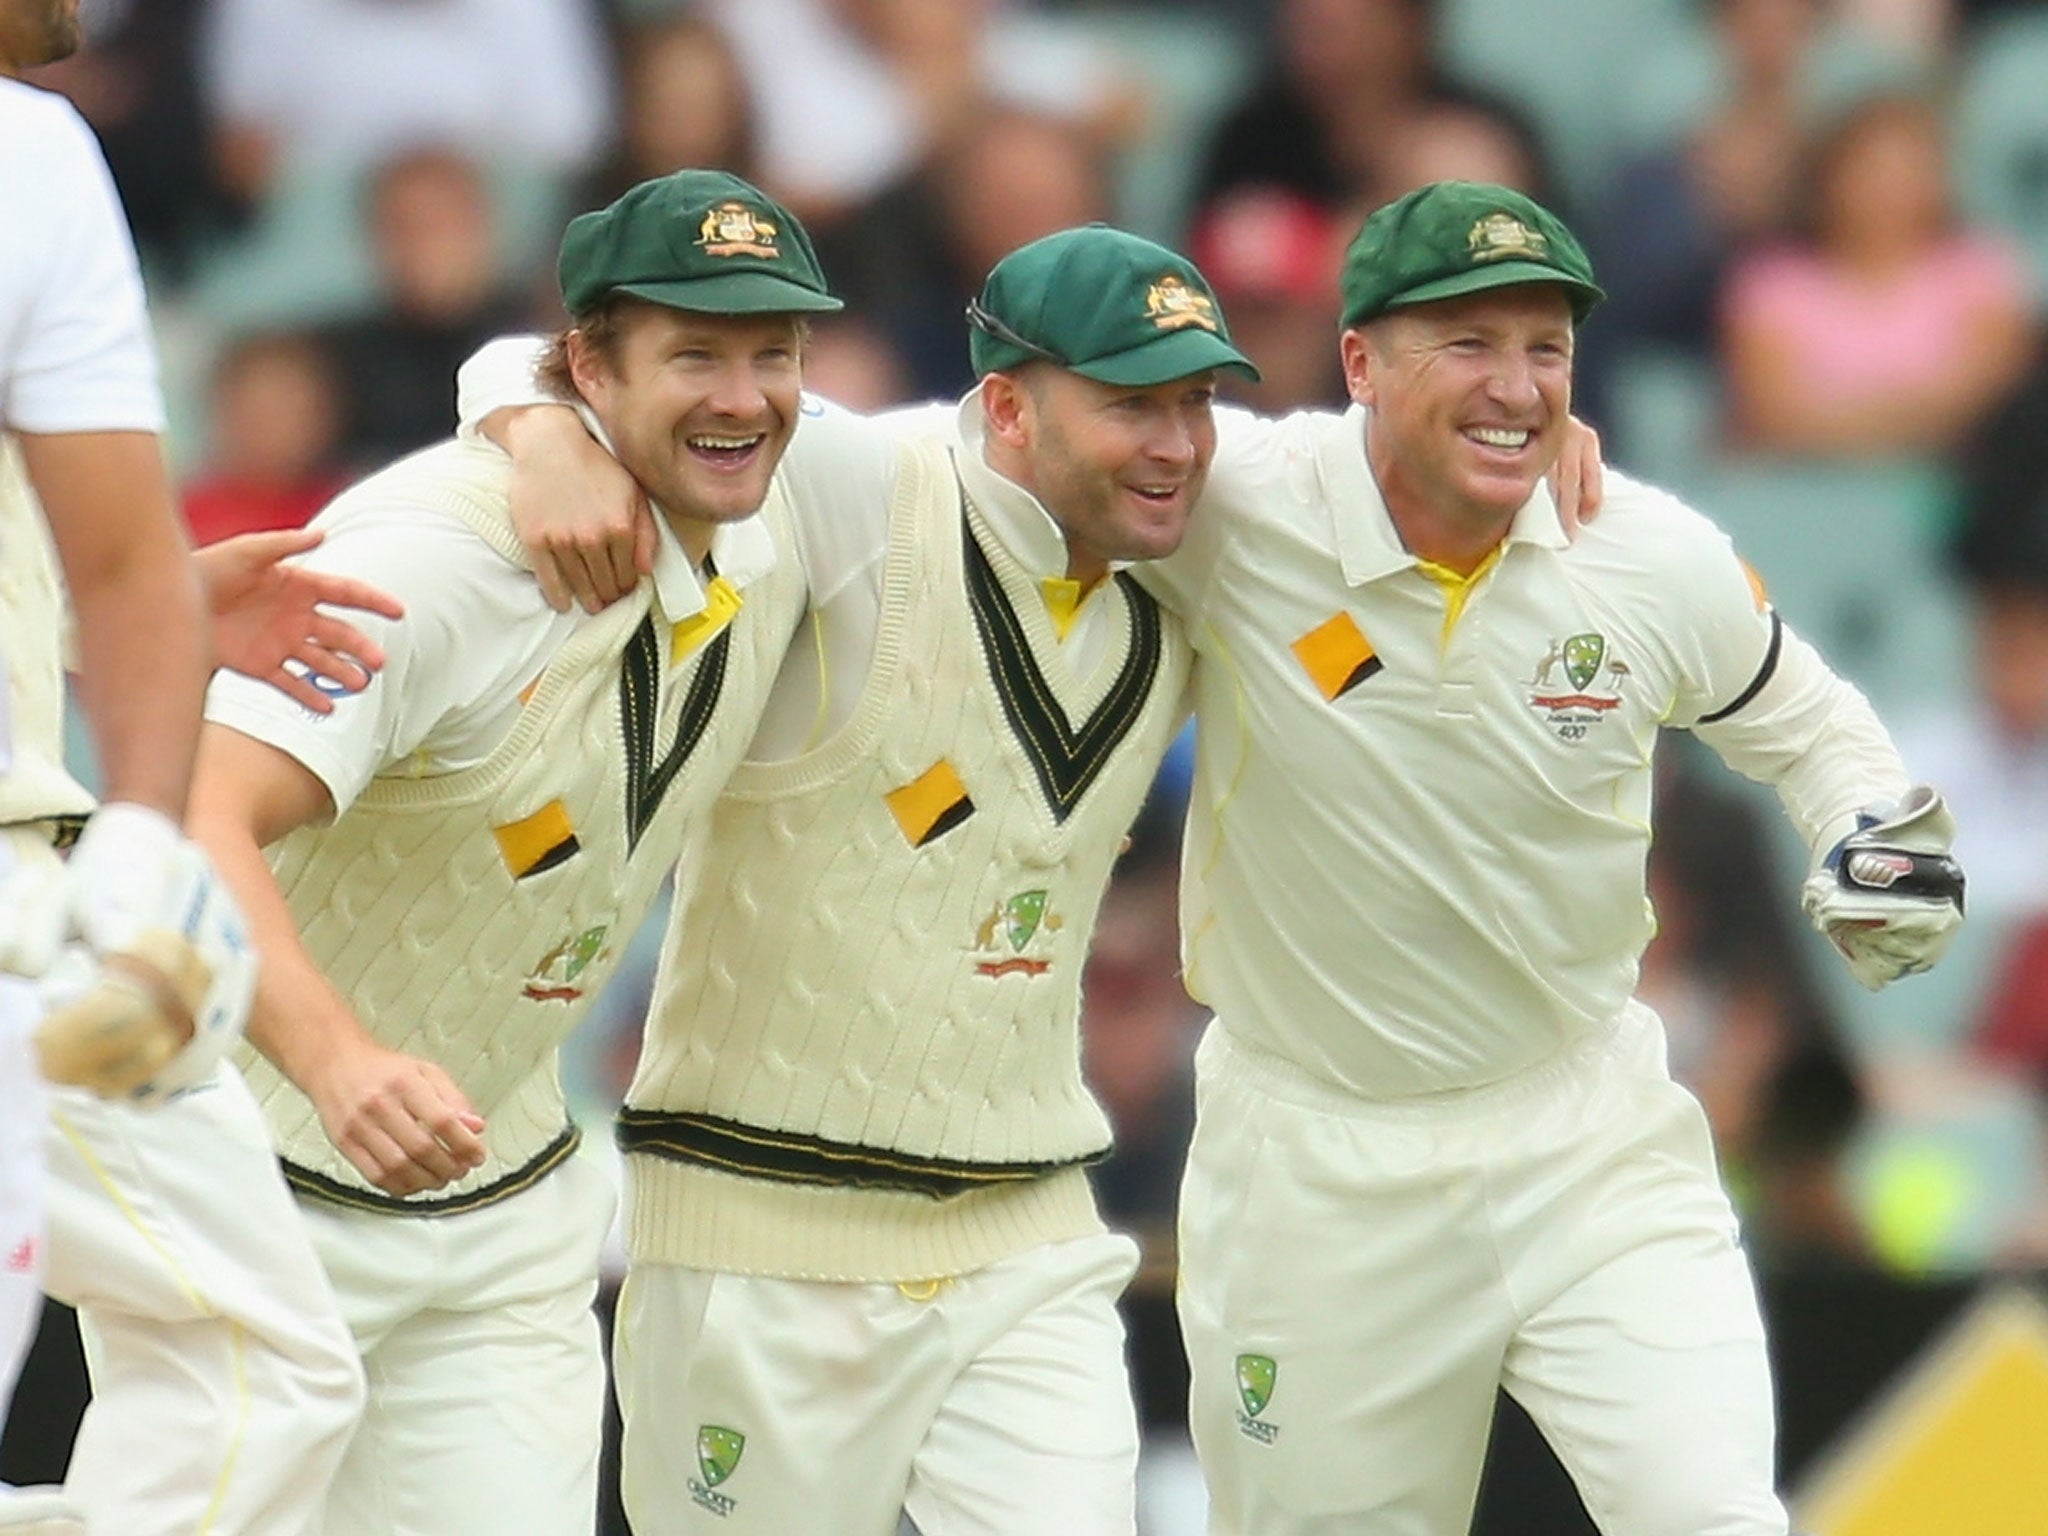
[1173,442]
[738,392]
[1513,381]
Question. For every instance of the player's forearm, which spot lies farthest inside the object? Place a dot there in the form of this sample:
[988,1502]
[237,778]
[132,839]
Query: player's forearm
[298,1020]
[143,647]
[1813,738]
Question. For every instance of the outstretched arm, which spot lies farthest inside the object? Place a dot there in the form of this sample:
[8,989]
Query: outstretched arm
[267,613]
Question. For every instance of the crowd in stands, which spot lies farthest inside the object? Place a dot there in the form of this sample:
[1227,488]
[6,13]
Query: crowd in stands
[1823,225]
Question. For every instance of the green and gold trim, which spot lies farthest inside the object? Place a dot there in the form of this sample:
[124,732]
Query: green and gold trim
[788,1157]
[328,1191]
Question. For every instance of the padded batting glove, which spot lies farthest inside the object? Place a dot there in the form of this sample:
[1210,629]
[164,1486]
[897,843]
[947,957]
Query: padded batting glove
[1888,895]
[146,908]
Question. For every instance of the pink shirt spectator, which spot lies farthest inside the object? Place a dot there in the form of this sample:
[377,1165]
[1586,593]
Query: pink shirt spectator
[1854,340]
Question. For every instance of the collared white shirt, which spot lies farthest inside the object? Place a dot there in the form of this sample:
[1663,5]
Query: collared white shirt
[476,633]
[1415,859]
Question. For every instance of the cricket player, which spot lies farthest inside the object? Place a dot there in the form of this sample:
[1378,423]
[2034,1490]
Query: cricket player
[457,856]
[224,1384]
[1437,1149]
[868,1275]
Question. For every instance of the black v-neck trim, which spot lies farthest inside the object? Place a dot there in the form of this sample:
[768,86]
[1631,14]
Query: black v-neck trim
[1067,760]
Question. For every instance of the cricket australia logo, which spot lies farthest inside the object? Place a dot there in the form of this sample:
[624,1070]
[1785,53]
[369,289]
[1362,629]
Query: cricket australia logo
[1256,1376]
[734,229]
[1170,304]
[718,1456]
[1016,937]
[1591,687]
[1501,236]
[554,978]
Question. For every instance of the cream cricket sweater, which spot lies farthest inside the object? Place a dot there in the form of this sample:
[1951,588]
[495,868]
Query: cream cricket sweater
[864,1059]
[34,784]
[470,918]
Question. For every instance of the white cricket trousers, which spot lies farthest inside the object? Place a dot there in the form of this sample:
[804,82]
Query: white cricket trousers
[995,1403]
[224,1382]
[485,1362]
[1357,1278]
[22,1175]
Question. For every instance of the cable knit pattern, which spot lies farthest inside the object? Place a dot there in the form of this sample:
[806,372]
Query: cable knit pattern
[861,1004]
[32,615]
[410,908]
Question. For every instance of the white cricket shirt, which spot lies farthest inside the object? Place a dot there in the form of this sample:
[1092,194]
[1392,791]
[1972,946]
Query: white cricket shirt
[1415,855]
[75,356]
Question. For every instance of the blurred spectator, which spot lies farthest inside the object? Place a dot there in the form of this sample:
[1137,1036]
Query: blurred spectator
[1272,255]
[134,81]
[1986,741]
[1681,213]
[430,218]
[1342,72]
[1451,138]
[850,361]
[276,426]
[910,260]
[292,83]
[1888,330]
[885,84]
[1336,105]
[685,104]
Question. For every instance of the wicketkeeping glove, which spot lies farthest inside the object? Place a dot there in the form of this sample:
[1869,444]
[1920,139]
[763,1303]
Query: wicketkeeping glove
[1888,895]
[157,975]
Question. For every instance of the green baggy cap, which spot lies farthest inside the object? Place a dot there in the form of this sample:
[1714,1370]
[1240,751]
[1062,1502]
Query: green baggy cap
[697,240]
[1458,237]
[1104,304]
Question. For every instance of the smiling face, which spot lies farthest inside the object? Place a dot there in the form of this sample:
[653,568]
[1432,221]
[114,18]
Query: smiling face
[698,407]
[1118,467]
[1469,399]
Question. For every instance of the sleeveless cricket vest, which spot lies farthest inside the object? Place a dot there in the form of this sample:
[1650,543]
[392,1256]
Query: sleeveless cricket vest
[33,782]
[864,1060]
[469,918]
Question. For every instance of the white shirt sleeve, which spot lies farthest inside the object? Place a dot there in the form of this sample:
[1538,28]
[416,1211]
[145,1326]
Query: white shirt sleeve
[1813,738]
[75,349]
[476,631]
[498,374]
[1771,708]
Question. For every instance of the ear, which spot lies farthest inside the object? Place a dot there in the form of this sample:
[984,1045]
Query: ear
[1361,362]
[1006,409]
[588,371]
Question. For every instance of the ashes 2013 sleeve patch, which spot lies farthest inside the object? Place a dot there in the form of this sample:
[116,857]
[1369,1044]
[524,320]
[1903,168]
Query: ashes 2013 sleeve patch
[538,842]
[930,805]
[1337,656]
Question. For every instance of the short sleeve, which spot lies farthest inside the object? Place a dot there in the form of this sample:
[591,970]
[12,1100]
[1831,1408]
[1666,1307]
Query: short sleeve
[70,289]
[436,680]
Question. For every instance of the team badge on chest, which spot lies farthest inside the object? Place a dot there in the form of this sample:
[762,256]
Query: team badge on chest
[1015,939]
[1577,684]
